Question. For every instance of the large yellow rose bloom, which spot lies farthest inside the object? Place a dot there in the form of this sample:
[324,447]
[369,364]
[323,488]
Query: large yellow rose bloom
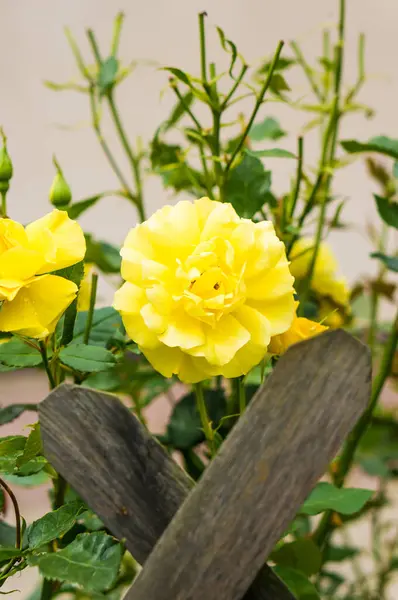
[32,300]
[205,290]
[331,289]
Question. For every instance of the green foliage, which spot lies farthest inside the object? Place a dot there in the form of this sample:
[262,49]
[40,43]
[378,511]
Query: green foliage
[380,144]
[105,256]
[87,359]
[388,211]
[107,74]
[271,153]
[9,413]
[326,496]
[92,561]
[269,129]
[302,554]
[18,354]
[247,186]
[391,262]
[297,583]
[32,448]
[53,525]
[106,324]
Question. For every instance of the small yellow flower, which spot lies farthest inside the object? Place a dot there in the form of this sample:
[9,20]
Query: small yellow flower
[83,299]
[331,291]
[31,300]
[205,290]
[301,329]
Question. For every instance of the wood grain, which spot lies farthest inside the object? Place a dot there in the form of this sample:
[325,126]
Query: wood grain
[122,472]
[247,497]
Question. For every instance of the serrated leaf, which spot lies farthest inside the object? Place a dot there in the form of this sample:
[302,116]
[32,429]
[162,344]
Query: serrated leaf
[17,353]
[271,153]
[303,555]
[7,534]
[107,74]
[380,144]
[391,262]
[325,496]
[92,560]
[247,186]
[269,129]
[106,322]
[33,466]
[54,524]
[12,445]
[178,111]
[38,478]
[87,359]
[9,413]
[33,446]
[388,210]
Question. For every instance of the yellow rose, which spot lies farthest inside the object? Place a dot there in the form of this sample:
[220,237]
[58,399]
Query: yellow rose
[332,291]
[301,329]
[83,299]
[205,290]
[31,300]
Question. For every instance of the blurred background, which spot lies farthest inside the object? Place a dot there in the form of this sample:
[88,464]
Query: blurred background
[39,122]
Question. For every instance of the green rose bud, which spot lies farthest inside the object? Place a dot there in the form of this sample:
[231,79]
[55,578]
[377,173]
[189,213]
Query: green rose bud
[6,168]
[60,192]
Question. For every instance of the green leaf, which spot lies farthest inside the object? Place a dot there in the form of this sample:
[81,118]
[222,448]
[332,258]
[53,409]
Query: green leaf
[9,413]
[33,466]
[7,552]
[247,186]
[107,74]
[297,583]
[269,129]
[230,47]
[179,74]
[86,359]
[303,555]
[395,170]
[279,84]
[78,208]
[54,524]
[271,153]
[17,353]
[391,262]
[74,273]
[92,560]
[34,480]
[185,427]
[106,322]
[104,255]
[12,445]
[326,496]
[33,446]
[7,534]
[388,211]
[179,111]
[380,144]
[340,553]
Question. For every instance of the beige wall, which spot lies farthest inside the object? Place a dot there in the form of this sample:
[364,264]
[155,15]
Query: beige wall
[33,48]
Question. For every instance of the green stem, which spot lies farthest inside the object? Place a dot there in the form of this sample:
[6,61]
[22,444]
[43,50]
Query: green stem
[117,27]
[137,406]
[202,37]
[90,314]
[134,160]
[47,590]
[259,101]
[4,204]
[324,529]
[59,492]
[216,150]
[241,395]
[307,70]
[107,151]
[200,402]
[47,368]
[233,89]
[299,176]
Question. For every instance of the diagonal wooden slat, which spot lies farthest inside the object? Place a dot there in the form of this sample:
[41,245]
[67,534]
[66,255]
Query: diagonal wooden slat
[231,520]
[122,472]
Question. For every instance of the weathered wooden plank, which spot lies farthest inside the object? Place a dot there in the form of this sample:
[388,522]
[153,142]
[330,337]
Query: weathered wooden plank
[122,472]
[247,497]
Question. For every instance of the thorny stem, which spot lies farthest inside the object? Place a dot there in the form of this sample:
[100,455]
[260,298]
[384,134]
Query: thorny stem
[90,313]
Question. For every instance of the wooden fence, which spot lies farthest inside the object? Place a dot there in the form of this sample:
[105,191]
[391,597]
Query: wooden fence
[211,540]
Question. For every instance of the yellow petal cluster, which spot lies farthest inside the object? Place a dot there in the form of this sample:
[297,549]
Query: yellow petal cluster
[204,290]
[32,300]
[331,290]
[300,330]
